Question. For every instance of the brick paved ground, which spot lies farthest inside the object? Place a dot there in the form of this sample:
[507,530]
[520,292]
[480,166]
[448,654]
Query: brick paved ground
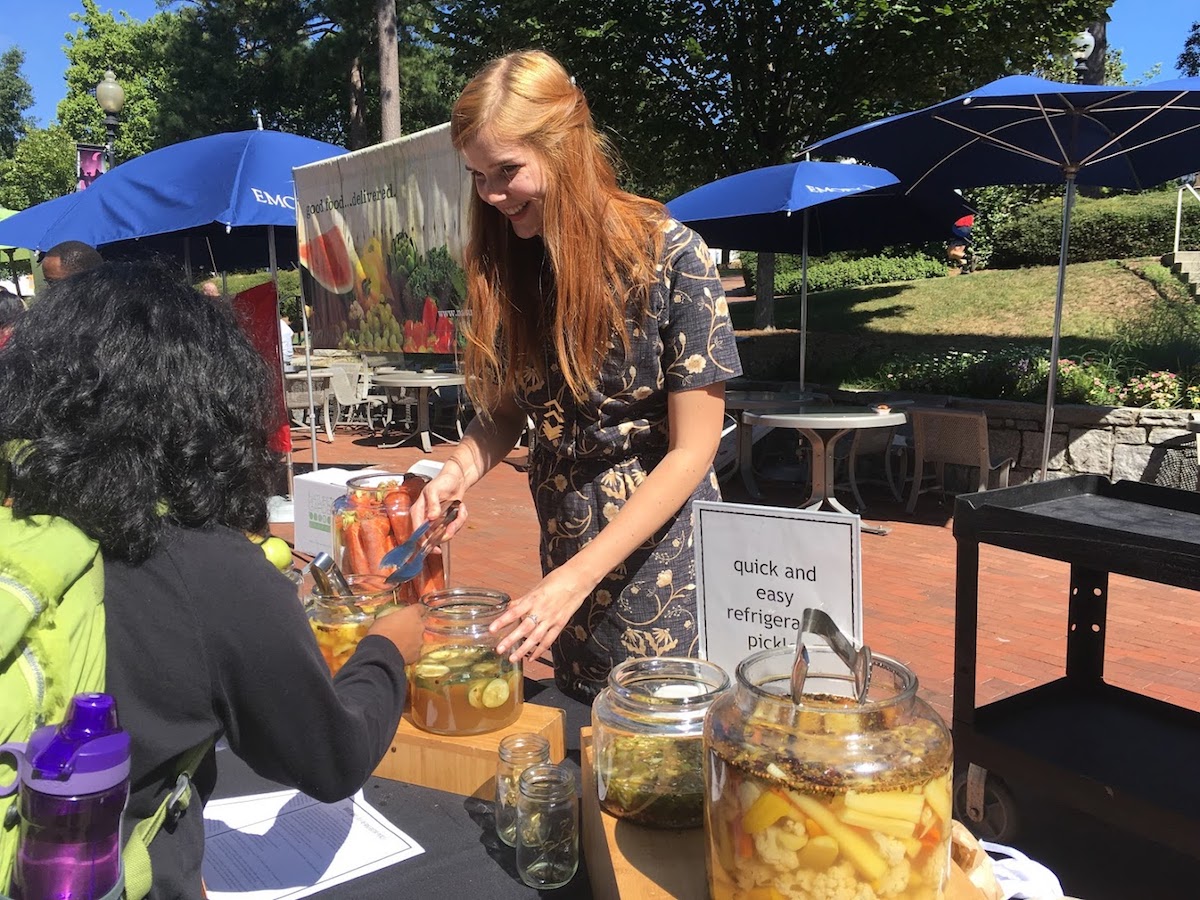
[908,578]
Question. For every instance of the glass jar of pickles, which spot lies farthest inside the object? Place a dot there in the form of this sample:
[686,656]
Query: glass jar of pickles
[371,518]
[460,684]
[340,622]
[647,736]
[826,796]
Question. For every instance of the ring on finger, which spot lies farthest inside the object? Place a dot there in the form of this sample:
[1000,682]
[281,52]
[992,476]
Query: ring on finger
[533,617]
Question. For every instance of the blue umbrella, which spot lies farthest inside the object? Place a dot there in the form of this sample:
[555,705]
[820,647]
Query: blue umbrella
[1024,130]
[754,211]
[25,228]
[237,178]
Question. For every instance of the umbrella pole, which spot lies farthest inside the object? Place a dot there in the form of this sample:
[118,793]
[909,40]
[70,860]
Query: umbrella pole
[803,296]
[1052,385]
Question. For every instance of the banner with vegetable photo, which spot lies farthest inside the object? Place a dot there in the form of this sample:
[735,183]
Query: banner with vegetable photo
[381,234]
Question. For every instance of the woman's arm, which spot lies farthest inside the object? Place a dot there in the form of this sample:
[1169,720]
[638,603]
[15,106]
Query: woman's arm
[488,439]
[694,420]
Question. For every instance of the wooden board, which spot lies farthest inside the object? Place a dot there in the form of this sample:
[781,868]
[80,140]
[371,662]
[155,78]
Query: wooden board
[464,765]
[627,860]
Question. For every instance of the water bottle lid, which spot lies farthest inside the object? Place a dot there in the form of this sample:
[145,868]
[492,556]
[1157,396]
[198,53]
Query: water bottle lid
[86,753]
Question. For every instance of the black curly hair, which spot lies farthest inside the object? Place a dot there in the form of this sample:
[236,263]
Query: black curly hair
[135,401]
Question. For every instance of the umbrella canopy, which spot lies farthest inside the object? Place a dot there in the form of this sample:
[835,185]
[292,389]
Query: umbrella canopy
[754,210]
[1024,130]
[18,254]
[237,178]
[26,227]
[842,207]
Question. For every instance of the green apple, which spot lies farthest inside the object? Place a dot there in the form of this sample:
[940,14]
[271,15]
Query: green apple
[278,552]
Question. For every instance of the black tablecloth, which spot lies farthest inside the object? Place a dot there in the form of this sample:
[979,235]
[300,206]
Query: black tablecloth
[463,856]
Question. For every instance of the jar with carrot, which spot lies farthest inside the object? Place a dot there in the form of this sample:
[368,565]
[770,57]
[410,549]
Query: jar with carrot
[373,517]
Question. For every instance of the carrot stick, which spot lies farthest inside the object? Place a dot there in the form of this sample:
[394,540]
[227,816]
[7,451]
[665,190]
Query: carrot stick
[355,562]
[397,505]
[372,531]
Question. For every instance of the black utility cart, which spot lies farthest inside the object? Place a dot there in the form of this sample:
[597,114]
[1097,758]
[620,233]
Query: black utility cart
[1123,757]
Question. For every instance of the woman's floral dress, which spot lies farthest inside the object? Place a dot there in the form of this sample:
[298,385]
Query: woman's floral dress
[588,459]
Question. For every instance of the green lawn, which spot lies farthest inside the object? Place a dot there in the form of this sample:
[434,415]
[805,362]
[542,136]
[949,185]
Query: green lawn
[852,331]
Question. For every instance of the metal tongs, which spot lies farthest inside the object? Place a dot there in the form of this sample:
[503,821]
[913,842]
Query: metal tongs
[857,660]
[410,556]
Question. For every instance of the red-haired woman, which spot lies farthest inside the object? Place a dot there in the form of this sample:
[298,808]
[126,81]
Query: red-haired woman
[594,313]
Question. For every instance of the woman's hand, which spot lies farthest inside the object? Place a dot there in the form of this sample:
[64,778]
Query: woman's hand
[449,484]
[543,613]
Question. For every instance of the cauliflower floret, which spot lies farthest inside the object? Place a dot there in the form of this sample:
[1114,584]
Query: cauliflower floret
[776,852]
[839,882]
[792,834]
[896,879]
[934,871]
[892,849]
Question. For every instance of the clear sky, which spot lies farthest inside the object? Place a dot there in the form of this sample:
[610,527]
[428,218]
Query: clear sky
[1148,31]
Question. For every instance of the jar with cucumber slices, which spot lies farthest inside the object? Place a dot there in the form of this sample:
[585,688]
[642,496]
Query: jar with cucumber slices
[460,685]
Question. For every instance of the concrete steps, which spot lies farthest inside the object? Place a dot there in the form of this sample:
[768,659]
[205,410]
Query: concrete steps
[1185,264]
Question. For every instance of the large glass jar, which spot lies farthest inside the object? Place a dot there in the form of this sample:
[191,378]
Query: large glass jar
[371,518]
[647,736]
[460,684]
[827,793]
[341,622]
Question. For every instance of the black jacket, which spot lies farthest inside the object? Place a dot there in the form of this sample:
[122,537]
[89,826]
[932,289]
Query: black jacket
[207,639]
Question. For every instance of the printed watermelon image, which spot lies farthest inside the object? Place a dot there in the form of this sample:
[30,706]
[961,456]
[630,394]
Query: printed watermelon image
[327,258]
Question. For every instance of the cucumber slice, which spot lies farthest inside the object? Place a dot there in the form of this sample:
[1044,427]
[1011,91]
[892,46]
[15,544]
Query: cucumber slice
[496,693]
[429,671]
[475,694]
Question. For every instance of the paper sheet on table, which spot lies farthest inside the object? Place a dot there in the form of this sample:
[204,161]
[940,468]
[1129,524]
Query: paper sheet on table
[287,845]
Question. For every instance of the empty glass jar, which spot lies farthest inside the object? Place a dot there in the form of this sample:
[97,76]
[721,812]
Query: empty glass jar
[517,753]
[547,827]
[460,684]
[647,735]
[827,792]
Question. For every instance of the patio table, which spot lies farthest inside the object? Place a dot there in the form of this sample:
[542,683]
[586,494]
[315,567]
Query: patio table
[424,382]
[824,426]
[737,402]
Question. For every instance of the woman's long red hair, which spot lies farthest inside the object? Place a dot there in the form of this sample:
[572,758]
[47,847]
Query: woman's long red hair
[599,247]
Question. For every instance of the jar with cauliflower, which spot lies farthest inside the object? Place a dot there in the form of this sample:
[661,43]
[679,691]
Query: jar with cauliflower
[827,799]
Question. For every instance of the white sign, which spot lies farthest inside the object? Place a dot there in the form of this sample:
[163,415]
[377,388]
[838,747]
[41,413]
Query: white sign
[759,567]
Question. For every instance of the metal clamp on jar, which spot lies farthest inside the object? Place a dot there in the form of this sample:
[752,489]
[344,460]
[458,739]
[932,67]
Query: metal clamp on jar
[823,775]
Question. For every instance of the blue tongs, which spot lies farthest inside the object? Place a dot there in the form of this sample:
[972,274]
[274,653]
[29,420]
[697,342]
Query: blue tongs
[410,556]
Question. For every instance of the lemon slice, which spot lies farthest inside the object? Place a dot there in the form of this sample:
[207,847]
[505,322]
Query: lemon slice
[495,693]
[430,670]
[475,694]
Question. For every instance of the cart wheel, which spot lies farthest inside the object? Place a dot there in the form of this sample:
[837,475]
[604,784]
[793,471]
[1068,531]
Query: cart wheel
[1000,822]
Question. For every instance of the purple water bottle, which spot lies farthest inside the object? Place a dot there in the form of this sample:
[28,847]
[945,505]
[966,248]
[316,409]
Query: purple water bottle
[74,781]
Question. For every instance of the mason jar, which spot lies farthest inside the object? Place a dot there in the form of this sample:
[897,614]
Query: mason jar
[517,753]
[460,684]
[827,791]
[547,827]
[647,739]
[371,518]
[340,622]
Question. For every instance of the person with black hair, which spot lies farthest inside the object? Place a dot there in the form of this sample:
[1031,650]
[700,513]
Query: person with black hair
[141,413]
[11,309]
[69,258]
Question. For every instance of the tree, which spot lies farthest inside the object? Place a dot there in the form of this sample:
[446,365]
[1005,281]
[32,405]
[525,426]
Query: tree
[387,40]
[42,168]
[1189,59]
[695,89]
[16,96]
[135,52]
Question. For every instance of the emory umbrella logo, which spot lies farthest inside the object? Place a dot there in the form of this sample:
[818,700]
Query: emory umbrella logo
[284,200]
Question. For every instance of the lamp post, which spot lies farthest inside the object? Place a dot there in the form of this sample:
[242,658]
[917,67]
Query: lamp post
[1081,51]
[111,97]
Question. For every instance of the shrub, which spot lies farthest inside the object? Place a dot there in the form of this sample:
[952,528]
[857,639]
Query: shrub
[1154,390]
[1109,228]
[827,276]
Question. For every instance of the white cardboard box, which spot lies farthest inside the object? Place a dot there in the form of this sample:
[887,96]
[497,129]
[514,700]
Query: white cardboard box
[313,495]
